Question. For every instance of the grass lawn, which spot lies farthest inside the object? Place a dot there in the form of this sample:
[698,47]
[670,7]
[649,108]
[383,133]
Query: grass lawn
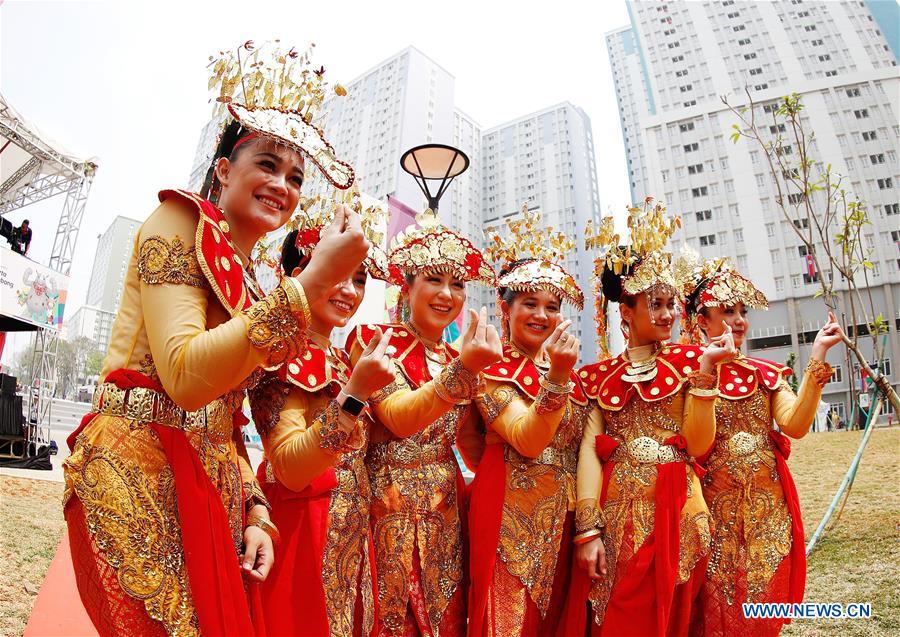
[857,561]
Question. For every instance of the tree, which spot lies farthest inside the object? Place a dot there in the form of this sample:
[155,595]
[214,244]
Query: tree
[826,217]
[94,363]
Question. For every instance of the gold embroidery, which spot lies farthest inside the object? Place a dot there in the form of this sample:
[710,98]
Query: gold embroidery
[492,404]
[820,370]
[275,327]
[332,436]
[253,495]
[380,395]
[751,521]
[588,517]
[147,367]
[549,401]
[136,527]
[456,384]
[164,261]
[266,402]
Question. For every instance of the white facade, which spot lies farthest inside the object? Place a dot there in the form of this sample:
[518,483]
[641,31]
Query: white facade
[93,323]
[670,68]
[546,159]
[111,264]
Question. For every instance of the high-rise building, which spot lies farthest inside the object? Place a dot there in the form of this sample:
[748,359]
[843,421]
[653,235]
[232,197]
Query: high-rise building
[91,322]
[546,160]
[111,263]
[670,68]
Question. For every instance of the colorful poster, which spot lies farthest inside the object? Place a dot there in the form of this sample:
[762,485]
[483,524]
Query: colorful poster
[31,292]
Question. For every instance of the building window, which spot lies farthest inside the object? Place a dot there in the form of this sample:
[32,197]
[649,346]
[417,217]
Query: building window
[861,113]
[739,235]
[824,58]
[699,192]
[877,159]
[750,56]
[869,136]
[770,229]
[756,71]
[704,215]
[801,224]
[686,127]
[852,92]
[779,128]
[884,184]
[691,147]
[779,284]
[803,250]
[695,169]
[892,209]
[795,198]
[708,240]
[838,375]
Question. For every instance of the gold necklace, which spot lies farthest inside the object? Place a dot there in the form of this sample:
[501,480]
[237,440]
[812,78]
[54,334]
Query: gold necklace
[543,364]
[436,348]
[641,371]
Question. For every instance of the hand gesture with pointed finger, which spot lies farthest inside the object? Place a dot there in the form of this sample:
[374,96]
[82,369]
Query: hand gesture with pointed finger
[481,344]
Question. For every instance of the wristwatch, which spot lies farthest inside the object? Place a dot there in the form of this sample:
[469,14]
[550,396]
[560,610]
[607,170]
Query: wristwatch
[349,404]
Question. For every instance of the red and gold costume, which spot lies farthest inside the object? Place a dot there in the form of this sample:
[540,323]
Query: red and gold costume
[417,513]
[522,501]
[638,488]
[158,485]
[758,552]
[315,478]
[416,485]
[166,420]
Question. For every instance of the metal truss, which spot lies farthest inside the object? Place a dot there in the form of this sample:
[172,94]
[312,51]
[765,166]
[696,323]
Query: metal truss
[48,173]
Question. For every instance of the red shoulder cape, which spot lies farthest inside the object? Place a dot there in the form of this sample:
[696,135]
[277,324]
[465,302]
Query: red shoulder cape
[523,373]
[741,377]
[218,260]
[603,380]
[312,372]
[410,351]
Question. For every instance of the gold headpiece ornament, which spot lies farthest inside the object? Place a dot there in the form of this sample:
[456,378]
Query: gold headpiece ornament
[541,249]
[318,213]
[642,265]
[711,283]
[278,94]
[430,247]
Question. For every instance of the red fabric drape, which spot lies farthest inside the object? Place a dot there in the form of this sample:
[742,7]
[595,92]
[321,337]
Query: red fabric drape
[486,511]
[798,546]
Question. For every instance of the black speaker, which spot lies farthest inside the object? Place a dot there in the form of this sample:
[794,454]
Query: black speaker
[7,384]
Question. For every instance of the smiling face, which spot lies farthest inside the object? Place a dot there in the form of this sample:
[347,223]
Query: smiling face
[339,304]
[532,318]
[735,316]
[260,185]
[650,319]
[435,300]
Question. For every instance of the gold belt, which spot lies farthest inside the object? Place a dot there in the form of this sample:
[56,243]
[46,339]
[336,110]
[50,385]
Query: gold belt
[646,450]
[743,443]
[408,453]
[565,459]
[146,406]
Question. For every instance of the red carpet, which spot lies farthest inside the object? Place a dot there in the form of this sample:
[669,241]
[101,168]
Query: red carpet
[58,611]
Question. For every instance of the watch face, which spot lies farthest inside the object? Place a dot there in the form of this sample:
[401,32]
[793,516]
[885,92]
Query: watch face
[353,406]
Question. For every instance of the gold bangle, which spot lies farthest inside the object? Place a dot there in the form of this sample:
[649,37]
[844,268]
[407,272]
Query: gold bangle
[267,526]
[703,394]
[821,371]
[587,536]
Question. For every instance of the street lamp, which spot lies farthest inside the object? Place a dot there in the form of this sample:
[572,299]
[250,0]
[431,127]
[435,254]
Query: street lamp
[434,162]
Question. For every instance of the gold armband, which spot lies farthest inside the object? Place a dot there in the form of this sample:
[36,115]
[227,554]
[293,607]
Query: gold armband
[276,327]
[266,525]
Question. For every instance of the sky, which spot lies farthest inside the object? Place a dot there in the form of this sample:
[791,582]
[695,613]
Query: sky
[125,82]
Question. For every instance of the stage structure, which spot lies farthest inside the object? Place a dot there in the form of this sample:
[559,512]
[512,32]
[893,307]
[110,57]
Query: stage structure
[34,168]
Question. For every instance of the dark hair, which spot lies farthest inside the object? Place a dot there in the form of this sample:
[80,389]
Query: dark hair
[26,221]
[693,299]
[232,134]
[409,278]
[611,284]
[290,255]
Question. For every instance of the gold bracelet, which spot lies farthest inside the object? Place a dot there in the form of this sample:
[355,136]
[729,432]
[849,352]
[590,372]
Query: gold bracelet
[266,525]
[821,371]
[703,394]
[587,536]
[702,380]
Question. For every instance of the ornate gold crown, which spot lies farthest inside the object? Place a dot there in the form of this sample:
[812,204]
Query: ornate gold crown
[541,248]
[642,263]
[318,213]
[428,246]
[278,94]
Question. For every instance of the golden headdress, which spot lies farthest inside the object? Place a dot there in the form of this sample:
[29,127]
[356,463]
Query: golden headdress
[532,252]
[639,266]
[711,283]
[278,94]
[318,212]
[429,246]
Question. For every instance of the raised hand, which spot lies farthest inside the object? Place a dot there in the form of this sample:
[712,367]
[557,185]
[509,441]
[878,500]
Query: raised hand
[342,247]
[373,370]
[719,350]
[562,349]
[830,335]
[481,343]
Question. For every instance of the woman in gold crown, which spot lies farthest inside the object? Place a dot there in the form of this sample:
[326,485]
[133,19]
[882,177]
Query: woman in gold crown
[522,502]
[758,552]
[417,530]
[163,510]
[308,414]
[642,529]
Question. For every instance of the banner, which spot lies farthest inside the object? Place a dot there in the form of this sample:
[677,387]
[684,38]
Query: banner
[31,292]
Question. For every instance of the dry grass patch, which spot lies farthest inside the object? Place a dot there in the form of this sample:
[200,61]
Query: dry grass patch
[858,559]
[31,525]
